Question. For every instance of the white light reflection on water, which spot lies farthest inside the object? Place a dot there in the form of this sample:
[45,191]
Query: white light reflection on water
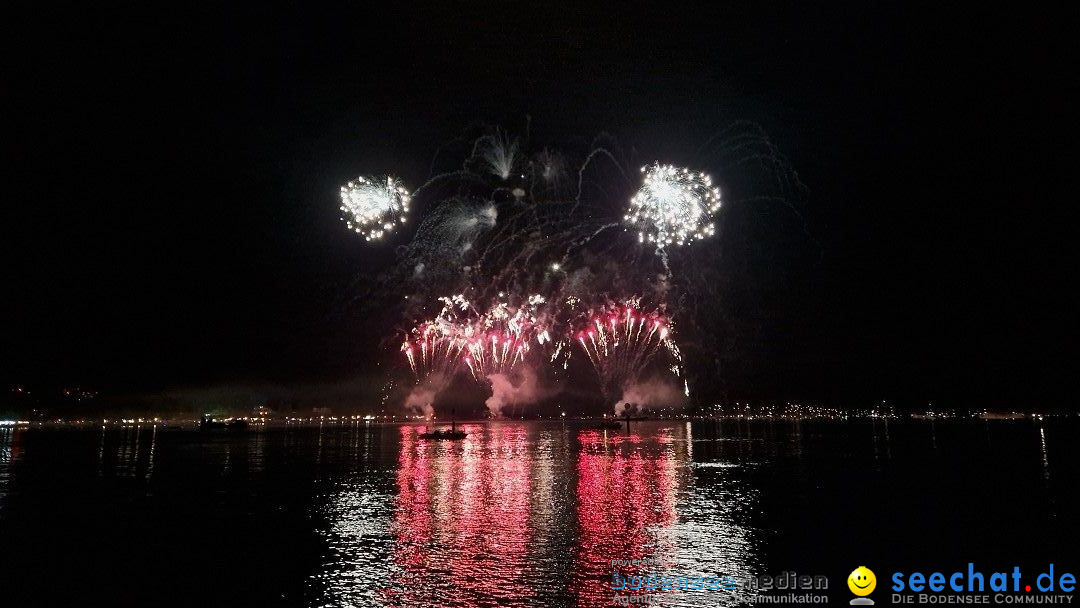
[358,511]
[7,439]
[127,451]
[358,547]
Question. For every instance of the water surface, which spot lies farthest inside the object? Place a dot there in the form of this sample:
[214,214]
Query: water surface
[519,513]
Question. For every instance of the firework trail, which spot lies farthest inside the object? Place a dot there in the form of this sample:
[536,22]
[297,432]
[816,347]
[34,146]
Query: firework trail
[549,174]
[497,153]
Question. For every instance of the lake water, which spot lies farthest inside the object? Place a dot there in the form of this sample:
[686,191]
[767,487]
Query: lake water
[519,513]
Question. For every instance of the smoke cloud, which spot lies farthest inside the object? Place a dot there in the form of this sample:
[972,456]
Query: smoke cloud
[421,398]
[640,396]
[520,388]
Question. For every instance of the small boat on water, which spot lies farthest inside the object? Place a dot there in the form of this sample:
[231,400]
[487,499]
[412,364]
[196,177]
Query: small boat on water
[608,425]
[452,434]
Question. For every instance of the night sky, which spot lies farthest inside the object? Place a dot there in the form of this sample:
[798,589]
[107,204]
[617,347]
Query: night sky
[169,214]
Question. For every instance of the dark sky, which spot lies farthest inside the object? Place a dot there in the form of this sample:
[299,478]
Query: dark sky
[170,177]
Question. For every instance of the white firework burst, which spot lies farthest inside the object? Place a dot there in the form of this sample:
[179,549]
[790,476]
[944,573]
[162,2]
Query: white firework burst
[673,206]
[499,153]
[373,206]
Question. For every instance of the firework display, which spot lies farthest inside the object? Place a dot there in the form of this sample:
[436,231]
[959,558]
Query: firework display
[561,267]
[374,206]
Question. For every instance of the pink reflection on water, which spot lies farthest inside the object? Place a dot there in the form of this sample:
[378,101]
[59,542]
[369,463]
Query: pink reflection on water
[461,519]
[621,494]
[497,520]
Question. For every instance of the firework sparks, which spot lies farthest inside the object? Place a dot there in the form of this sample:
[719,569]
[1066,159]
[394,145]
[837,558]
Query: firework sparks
[435,347]
[493,342]
[621,340]
[674,206]
[504,337]
[374,206]
[499,153]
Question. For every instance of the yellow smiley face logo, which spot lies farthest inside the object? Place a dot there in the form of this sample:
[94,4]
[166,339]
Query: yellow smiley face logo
[862,581]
